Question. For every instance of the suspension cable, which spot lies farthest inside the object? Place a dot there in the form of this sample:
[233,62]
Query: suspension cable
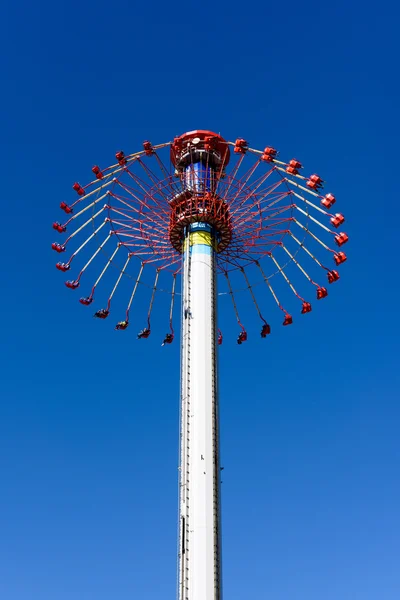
[94,256]
[106,266]
[301,187]
[301,244]
[165,172]
[221,169]
[244,181]
[172,303]
[252,295]
[312,235]
[92,218]
[233,300]
[314,220]
[318,208]
[86,241]
[134,291]
[78,214]
[119,279]
[88,194]
[232,176]
[251,194]
[271,288]
[286,278]
[152,297]
[299,266]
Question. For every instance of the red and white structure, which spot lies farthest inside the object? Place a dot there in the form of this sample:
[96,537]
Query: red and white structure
[204,210]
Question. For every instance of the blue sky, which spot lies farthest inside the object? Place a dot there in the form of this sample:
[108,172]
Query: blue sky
[89,418]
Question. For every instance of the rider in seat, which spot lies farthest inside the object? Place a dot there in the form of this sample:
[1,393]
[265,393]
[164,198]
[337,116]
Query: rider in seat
[102,313]
[242,337]
[169,338]
[266,330]
[143,334]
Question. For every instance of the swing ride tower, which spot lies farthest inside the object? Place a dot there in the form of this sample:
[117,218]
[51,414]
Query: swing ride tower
[188,208]
[200,223]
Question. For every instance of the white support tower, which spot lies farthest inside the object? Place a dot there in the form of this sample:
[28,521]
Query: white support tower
[200,530]
[200,228]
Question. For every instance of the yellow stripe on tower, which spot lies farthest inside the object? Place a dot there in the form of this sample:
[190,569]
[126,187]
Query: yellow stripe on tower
[200,241]
[200,237]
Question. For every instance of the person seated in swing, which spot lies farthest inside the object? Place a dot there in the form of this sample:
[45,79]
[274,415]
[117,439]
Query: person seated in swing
[144,333]
[242,337]
[266,330]
[121,325]
[169,338]
[102,313]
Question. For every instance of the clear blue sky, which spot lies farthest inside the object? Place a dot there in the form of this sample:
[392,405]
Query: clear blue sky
[89,417]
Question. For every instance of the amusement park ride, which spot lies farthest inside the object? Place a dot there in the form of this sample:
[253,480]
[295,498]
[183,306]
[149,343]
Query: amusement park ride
[201,209]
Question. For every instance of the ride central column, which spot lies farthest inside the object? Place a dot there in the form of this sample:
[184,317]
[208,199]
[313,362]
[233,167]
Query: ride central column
[199,228]
[200,560]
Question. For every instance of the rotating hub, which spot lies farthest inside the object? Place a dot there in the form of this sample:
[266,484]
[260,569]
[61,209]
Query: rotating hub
[200,158]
